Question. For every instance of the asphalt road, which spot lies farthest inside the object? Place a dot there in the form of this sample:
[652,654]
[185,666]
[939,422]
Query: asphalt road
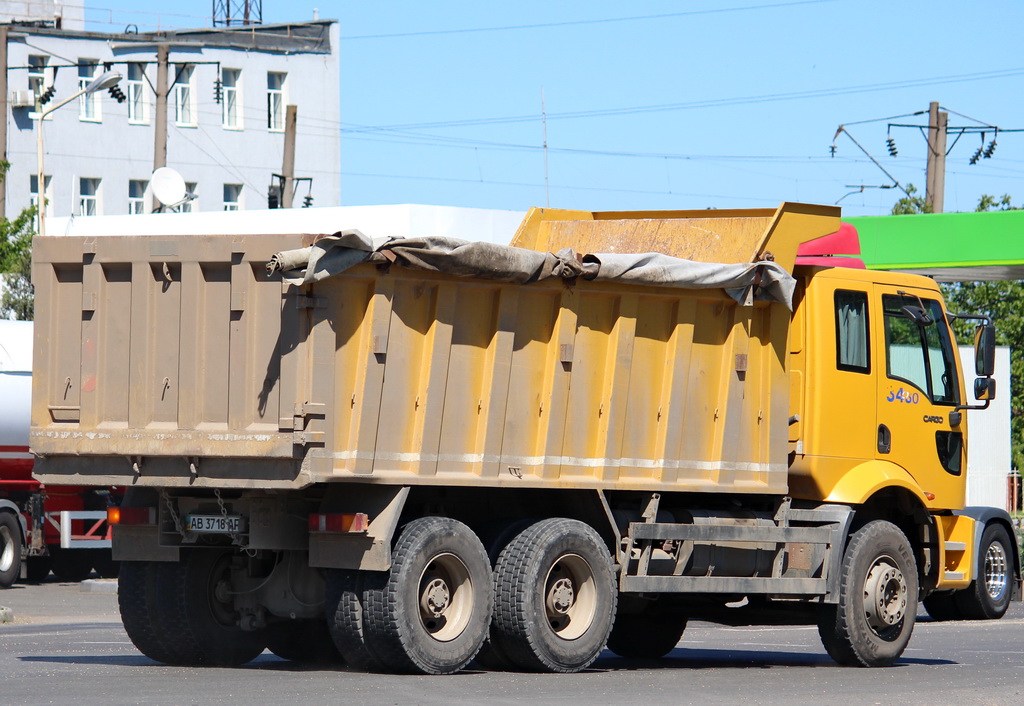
[67,646]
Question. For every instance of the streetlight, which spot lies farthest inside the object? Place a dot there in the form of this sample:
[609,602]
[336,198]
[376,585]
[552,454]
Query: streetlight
[100,83]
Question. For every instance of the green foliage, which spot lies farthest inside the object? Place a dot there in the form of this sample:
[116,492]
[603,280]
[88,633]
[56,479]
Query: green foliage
[911,203]
[1003,302]
[17,299]
[987,203]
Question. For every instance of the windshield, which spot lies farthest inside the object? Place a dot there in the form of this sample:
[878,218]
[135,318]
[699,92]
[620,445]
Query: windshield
[920,354]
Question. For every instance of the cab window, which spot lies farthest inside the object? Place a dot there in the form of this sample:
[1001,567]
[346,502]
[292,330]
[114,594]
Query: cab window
[852,337]
[920,353]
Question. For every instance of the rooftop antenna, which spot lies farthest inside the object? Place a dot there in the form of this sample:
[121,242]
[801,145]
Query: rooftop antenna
[237,13]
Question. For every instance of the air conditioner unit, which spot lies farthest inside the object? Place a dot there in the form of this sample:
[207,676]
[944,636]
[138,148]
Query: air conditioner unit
[23,99]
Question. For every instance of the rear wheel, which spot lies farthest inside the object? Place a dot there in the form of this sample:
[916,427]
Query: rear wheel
[943,606]
[37,568]
[196,617]
[874,619]
[71,564]
[10,549]
[988,596]
[651,633]
[104,564]
[429,613]
[554,597]
[136,599]
[344,612]
[306,641]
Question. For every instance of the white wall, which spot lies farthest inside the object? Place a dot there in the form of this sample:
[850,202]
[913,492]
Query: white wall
[402,220]
[989,436]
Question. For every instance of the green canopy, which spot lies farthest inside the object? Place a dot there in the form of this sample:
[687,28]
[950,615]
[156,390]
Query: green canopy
[946,246]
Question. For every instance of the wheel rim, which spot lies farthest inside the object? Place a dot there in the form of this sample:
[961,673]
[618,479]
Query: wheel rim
[885,597]
[445,597]
[570,596]
[222,604]
[7,547]
[995,570]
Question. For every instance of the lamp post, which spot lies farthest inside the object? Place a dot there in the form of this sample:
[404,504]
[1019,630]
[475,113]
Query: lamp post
[100,83]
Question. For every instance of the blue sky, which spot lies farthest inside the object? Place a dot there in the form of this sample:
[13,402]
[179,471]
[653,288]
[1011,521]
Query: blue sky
[660,105]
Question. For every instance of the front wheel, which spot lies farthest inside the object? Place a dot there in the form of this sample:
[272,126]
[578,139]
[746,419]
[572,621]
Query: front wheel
[988,596]
[874,618]
[10,549]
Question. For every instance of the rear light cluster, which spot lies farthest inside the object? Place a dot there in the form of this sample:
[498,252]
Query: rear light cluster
[131,515]
[336,522]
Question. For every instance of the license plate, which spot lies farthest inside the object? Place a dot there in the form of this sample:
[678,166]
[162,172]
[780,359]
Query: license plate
[213,523]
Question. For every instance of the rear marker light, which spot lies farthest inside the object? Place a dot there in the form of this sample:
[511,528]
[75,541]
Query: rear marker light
[131,516]
[336,522]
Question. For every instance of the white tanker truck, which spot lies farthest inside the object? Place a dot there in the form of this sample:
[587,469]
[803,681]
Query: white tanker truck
[42,528]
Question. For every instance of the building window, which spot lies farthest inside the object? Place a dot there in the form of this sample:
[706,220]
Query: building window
[37,73]
[33,187]
[137,196]
[88,103]
[184,96]
[190,204]
[232,197]
[232,105]
[275,101]
[88,197]
[138,109]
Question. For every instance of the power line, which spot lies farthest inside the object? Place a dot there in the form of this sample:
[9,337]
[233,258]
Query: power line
[707,103]
[568,23]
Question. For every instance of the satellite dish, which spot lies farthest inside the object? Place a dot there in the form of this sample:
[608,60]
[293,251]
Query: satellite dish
[168,186]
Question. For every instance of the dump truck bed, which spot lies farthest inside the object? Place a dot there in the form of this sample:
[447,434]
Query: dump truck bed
[167,361]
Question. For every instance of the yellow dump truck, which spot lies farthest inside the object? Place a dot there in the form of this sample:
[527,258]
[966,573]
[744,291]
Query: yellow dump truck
[410,453]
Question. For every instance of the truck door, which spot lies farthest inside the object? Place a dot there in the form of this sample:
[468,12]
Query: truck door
[918,390]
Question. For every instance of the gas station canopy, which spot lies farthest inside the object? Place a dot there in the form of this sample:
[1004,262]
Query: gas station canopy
[950,247]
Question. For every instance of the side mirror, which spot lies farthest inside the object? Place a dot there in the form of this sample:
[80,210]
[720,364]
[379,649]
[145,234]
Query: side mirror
[984,351]
[985,389]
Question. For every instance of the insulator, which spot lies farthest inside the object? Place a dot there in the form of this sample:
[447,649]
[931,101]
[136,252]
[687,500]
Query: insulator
[977,155]
[890,144]
[990,150]
[307,201]
[218,91]
[832,150]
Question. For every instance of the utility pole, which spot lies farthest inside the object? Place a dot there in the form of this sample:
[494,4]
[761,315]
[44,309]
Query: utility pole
[938,121]
[160,122]
[288,163]
[3,123]
[544,121]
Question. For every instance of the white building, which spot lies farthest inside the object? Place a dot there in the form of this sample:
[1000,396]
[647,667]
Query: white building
[226,98]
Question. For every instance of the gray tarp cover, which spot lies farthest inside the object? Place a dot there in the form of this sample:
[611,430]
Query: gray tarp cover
[336,253]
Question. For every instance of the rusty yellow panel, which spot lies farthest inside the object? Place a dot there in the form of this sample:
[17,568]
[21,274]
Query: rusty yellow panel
[400,376]
[704,236]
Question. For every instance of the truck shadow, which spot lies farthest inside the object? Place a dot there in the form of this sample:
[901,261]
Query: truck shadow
[694,658]
[679,658]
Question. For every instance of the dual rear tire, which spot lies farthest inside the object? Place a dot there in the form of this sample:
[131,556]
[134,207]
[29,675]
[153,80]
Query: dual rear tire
[183,613]
[548,604]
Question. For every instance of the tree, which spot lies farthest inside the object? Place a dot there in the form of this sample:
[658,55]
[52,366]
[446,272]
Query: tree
[911,203]
[17,298]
